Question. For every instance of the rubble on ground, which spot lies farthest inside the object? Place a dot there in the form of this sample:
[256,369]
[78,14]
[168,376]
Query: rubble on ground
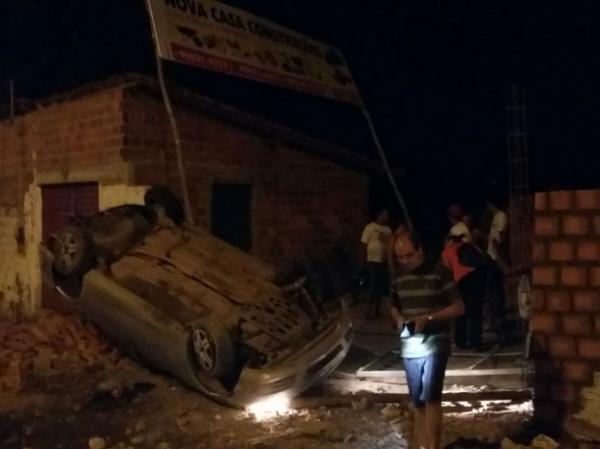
[49,344]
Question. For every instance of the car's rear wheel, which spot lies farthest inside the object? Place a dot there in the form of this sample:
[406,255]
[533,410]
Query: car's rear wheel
[160,196]
[72,251]
[213,348]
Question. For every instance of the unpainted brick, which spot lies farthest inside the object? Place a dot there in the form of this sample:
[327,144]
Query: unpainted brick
[589,348]
[587,199]
[561,346]
[558,301]
[538,252]
[544,276]
[597,225]
[544,323]
[561,251]
[595,276]
[562,200]
[538,299]
[577,324]
[586,300]
[577,371]
[573,276]
[566,392]
[575,225]
[597,324]
[546,226]
[588,251]
[540,201]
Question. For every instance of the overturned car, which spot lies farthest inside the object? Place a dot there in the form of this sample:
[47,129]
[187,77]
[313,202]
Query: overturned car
[178,298]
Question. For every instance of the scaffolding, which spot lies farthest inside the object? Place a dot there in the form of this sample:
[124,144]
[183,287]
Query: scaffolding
[520,199]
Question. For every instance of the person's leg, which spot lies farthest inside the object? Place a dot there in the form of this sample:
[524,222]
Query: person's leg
[433,418]
[414,378]
[460,325]
[434,371]
[382,287]
[420,432]
[372,273]
[476,312]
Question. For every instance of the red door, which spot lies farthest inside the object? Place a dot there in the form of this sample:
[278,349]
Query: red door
[59,203]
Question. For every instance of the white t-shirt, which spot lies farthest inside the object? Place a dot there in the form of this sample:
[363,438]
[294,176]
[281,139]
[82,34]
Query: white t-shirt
[460,230]
[499,223]
[376,237]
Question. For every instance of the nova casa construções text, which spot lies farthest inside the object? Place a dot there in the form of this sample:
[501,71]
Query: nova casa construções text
[231,19]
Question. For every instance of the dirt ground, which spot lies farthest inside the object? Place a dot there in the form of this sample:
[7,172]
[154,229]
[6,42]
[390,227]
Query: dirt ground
[116,403]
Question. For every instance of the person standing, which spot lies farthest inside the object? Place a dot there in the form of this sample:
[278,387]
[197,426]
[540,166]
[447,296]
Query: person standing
[459,228]
[499,263]
[374,239]
[427,301]
[467,265]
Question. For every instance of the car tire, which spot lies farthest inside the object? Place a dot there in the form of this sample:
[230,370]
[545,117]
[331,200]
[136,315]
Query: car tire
[72,251]
[213,348]
[163,197]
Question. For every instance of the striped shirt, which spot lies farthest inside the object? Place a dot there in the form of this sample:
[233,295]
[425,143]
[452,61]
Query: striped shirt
[424,291]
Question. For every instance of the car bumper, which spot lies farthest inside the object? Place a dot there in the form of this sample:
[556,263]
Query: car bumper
[313,362]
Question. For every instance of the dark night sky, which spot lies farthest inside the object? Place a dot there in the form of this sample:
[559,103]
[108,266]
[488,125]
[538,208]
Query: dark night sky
[432,73]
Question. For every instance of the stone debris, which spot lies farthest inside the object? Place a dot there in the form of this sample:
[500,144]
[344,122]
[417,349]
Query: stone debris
[96,443]
[539,442]
[361,404]
[49,344]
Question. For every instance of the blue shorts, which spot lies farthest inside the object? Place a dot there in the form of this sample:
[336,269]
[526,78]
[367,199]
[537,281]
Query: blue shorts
[425,377]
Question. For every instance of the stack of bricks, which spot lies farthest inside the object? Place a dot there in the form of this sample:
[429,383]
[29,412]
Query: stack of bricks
[566,300]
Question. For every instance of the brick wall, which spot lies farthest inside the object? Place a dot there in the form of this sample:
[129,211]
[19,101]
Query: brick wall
[566,300]
[301,203]
[120,138]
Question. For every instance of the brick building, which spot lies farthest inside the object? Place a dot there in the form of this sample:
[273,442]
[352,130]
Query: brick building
[566,309]
[103,145]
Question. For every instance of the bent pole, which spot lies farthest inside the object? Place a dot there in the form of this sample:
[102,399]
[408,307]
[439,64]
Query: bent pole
[172,121]
[386,166]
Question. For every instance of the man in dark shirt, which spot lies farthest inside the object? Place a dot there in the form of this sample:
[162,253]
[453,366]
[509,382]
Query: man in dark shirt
[427,300]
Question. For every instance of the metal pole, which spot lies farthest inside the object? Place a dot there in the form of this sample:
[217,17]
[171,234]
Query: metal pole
[173,122]
[386,166]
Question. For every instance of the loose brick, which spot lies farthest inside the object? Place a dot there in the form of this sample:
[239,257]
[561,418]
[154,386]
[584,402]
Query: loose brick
[544,276]
[577,371]
[588,251]
[589,348]
[578,324]
[586,301]
[546,226]
[561,251]
[563,347]
[558,301]
[540,201]
[595,276]
[562,200]
[544,323]
[573,276]
[538,299]
[587,199]
[575,225]
[538,252]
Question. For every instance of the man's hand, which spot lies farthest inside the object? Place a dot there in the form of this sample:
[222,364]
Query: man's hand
[398,318]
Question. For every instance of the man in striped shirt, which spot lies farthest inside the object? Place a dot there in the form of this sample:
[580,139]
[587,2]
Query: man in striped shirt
[427,301]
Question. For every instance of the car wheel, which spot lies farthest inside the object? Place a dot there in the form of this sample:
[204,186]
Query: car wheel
[162,197]
[213,348]
[72,251]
